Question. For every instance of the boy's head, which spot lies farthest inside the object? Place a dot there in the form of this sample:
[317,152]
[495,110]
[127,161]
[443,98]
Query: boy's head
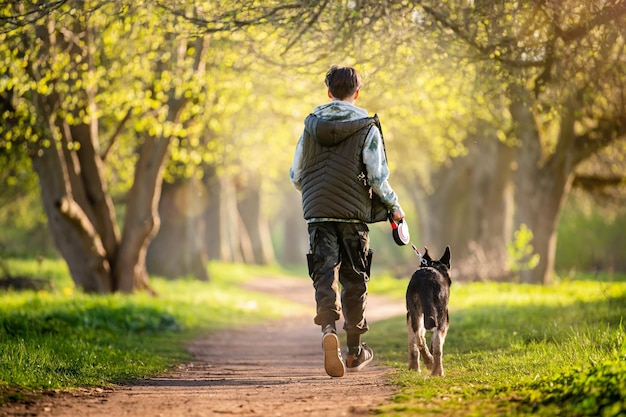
[343,82]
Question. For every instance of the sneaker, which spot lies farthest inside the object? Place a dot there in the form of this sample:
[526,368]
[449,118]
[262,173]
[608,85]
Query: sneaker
[333,362]
[357,362]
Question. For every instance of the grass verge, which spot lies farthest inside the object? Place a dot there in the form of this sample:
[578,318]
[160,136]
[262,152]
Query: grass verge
[59,338]
[517,350]
[512,349]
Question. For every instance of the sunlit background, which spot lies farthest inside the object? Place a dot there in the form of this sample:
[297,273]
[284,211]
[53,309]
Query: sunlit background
[504,126]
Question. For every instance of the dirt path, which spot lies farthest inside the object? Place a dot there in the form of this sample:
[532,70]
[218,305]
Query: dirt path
[270,370]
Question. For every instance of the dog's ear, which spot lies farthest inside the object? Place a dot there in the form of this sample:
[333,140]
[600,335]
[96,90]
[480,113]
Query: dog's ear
[426,256]
[445,259]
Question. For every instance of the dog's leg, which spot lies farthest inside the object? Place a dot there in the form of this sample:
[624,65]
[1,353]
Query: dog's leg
[439,338]
[414,354]
[421,344]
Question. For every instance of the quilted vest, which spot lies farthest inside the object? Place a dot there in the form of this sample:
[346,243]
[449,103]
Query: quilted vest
[334,177]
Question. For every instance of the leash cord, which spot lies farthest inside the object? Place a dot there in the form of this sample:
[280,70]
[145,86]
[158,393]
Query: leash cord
[419,255]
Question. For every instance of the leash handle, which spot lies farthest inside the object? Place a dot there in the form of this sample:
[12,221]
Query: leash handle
[392,222]
[399,231]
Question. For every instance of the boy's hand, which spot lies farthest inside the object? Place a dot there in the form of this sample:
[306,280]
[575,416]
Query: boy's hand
[398,214]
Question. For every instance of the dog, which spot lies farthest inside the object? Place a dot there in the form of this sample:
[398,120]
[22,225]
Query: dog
[427,298]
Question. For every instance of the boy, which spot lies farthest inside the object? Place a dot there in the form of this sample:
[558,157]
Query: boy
[340,167]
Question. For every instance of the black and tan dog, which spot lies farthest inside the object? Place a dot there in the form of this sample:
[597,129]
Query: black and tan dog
[427,310]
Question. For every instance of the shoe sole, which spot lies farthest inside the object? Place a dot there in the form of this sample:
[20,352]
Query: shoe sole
[333,364]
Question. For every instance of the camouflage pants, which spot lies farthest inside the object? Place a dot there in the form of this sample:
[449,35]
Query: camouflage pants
[340,255]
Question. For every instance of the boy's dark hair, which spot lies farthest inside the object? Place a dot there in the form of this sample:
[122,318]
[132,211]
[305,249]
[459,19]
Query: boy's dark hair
[342,82]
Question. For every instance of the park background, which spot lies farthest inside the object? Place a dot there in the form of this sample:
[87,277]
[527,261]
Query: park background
[146,141]
[153,137]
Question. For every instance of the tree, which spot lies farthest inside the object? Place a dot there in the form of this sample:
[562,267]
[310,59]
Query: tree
[82,73]
[87,79]
[563,69]
[101,95]
[555,72]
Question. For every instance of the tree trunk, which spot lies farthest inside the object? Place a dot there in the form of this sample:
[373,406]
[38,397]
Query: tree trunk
[226,237]
[94,190]
[470,209]
[256,224]
[541,184]
[73,235]
[295,236]
[142,217]
[211,216]
[80,213]
[540,213]
[178,249]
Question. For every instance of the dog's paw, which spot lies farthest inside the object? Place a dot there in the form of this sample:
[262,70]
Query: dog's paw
[428,362]
[437,371]
[414,366]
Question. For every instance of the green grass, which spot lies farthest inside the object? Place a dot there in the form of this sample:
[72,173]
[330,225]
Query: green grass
[517,350]
[512,350]
[59,338]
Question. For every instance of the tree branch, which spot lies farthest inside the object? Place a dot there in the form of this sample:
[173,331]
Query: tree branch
[594,182]
[605,133]
[306,27]
[227,20]
[115,135]
[454,27]
[482,50]
[606,15]
[28,17]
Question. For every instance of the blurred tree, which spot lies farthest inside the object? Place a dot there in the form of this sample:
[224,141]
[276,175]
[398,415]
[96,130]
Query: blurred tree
[551,87]
[74,73]
[87,71]
[251,97]
[101,94]
[562,67]
[136,75]
[438,119]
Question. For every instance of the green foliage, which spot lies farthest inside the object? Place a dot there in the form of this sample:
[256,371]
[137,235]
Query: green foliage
[24,225]
[242,109]
[520,250]
[515,349]
[590,237]
[36,317]
[598,389]
[61,338]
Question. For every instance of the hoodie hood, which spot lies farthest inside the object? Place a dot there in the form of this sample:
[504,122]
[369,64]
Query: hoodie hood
[332,123]
[339,111]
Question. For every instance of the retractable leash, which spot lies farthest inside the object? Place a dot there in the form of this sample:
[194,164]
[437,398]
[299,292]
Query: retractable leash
[400,233]
[423,261]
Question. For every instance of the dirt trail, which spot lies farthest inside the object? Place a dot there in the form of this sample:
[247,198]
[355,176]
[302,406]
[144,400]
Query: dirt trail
[270,370]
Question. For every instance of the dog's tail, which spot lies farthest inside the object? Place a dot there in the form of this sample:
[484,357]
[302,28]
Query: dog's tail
[430,311]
